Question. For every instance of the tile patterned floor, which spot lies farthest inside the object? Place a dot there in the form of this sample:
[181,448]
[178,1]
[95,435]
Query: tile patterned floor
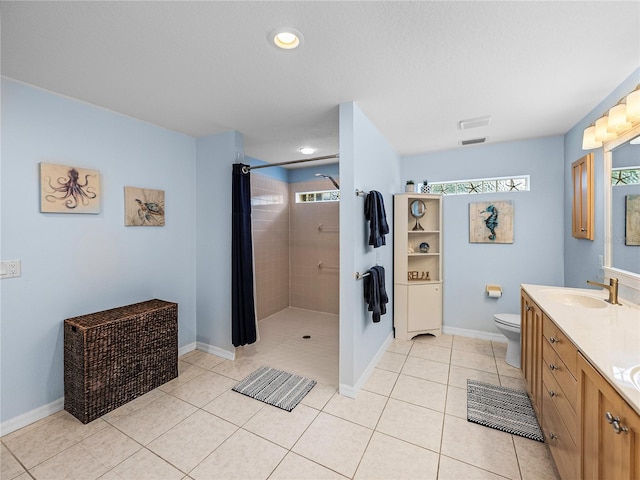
[409,422]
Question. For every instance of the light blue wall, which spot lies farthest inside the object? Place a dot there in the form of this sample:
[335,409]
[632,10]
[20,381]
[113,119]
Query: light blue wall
[581,256]
[309,173]
[367,162]
[536,254]
[215,156]
[73,264]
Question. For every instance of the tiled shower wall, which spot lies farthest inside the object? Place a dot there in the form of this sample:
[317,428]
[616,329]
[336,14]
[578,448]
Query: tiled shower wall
[288,246]
[314,237]
[270,218]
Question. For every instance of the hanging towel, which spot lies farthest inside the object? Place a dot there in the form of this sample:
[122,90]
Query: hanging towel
[374,292]
[374,212]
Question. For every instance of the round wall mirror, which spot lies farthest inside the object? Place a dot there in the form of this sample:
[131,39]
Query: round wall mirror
[418,210]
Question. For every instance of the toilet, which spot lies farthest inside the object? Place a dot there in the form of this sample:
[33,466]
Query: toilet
[509,326]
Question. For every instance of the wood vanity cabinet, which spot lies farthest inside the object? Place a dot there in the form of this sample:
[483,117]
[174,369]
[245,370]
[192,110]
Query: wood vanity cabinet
[559,393]
[531,349]
[608,451]
[592,432]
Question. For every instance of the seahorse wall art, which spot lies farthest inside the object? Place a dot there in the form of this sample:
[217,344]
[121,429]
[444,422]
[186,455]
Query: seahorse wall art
[143,207]
[66,189]
[491,222]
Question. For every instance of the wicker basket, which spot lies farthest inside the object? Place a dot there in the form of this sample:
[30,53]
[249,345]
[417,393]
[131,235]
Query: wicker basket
[114,356]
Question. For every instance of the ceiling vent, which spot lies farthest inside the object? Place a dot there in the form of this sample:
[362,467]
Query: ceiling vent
[474,123]
[473,141]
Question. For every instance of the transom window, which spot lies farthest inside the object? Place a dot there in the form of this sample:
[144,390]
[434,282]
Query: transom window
[625,176]
[318,196]
[481,185]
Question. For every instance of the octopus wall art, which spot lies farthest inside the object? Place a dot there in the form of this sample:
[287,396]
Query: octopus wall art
[66,189]
[491,222]
[143,207]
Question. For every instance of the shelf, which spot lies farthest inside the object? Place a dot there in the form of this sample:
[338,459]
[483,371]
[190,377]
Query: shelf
[423,231]
[422,254]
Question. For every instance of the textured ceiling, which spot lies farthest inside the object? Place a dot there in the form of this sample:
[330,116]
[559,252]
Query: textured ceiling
[414,68]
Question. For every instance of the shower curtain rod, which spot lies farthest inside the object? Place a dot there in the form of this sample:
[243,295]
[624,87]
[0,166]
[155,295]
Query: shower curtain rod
[303,160]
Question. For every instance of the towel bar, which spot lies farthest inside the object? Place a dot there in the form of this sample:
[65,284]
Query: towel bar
[360,276]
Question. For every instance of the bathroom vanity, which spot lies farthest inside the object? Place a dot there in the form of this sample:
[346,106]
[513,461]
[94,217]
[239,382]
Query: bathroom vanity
[581,364]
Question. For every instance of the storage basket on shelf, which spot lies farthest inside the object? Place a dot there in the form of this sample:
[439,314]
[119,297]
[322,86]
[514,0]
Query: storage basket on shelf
[114,356]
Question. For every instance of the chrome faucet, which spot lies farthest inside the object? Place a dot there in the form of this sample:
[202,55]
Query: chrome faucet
[612,288]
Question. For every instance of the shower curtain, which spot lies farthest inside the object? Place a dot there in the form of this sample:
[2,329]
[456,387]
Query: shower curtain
[243,317]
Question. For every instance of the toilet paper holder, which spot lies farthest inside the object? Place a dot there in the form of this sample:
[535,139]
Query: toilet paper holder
[494,291]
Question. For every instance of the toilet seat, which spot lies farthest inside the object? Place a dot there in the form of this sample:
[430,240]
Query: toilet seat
[508,319]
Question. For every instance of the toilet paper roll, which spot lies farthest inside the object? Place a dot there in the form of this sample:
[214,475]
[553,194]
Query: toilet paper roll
[494,291]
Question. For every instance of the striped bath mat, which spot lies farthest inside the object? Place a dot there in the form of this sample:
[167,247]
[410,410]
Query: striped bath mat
[502,408]
[275,387]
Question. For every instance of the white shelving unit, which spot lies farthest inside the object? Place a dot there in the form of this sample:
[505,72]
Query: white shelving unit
[417,276]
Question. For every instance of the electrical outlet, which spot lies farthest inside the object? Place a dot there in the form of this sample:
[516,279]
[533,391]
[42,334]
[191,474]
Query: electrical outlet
[10,269]
[601,262]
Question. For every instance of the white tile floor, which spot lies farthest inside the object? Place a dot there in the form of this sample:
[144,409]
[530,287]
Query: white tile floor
[409,421]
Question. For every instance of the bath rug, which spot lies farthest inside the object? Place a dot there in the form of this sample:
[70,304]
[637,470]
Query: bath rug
[275,387]
[502,408]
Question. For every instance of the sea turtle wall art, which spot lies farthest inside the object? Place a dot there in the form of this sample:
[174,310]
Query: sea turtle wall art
[143,207]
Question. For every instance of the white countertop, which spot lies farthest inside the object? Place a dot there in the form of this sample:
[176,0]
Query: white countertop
[608,337]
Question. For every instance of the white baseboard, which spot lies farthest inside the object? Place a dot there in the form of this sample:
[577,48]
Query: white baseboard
[213,350]
[39,413]
[34,415]
[463,332]
[186,349]
[352,391]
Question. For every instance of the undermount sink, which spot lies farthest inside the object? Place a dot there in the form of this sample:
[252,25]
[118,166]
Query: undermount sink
[575,299]
[634,375]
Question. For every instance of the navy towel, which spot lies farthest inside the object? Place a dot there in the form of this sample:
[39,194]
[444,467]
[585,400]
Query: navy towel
[374,292]
[374,212]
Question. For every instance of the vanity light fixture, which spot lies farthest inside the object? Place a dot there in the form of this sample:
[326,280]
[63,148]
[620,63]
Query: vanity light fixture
[306,150]
[286,38]
[619,119]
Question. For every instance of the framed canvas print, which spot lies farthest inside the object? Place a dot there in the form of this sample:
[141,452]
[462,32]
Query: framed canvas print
[143,207]
[65,189]
[491,222]
[632,220]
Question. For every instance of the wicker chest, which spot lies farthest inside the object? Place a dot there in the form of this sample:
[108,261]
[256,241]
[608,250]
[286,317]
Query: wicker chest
[114,356]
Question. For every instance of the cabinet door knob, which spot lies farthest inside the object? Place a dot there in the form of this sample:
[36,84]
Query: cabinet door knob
[615,423]
[553,340]
[527,308]
[552,393]
[553,436]
[552,367]
[583,229]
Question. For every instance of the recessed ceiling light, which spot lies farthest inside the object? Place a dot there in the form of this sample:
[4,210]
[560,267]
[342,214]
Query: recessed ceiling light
[306,150]
[286,38]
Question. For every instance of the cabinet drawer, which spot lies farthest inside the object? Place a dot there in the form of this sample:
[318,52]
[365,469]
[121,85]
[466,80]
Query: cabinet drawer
[561,344]
[564,451]
[554,365]
[566,411]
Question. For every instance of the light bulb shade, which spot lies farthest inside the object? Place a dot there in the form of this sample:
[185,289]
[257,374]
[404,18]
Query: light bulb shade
[589,139]
[602,135]
[618,119]
[633,106]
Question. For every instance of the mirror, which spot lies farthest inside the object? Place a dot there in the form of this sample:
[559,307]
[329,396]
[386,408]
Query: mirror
[622,210]
[418,209]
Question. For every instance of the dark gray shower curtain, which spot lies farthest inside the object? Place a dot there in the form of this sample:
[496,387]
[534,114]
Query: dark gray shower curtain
[243,317]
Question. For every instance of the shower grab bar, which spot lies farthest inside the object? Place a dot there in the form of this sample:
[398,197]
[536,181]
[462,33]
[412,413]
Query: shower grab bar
[361,193]
[322,265]
[360,276]
[328,228]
